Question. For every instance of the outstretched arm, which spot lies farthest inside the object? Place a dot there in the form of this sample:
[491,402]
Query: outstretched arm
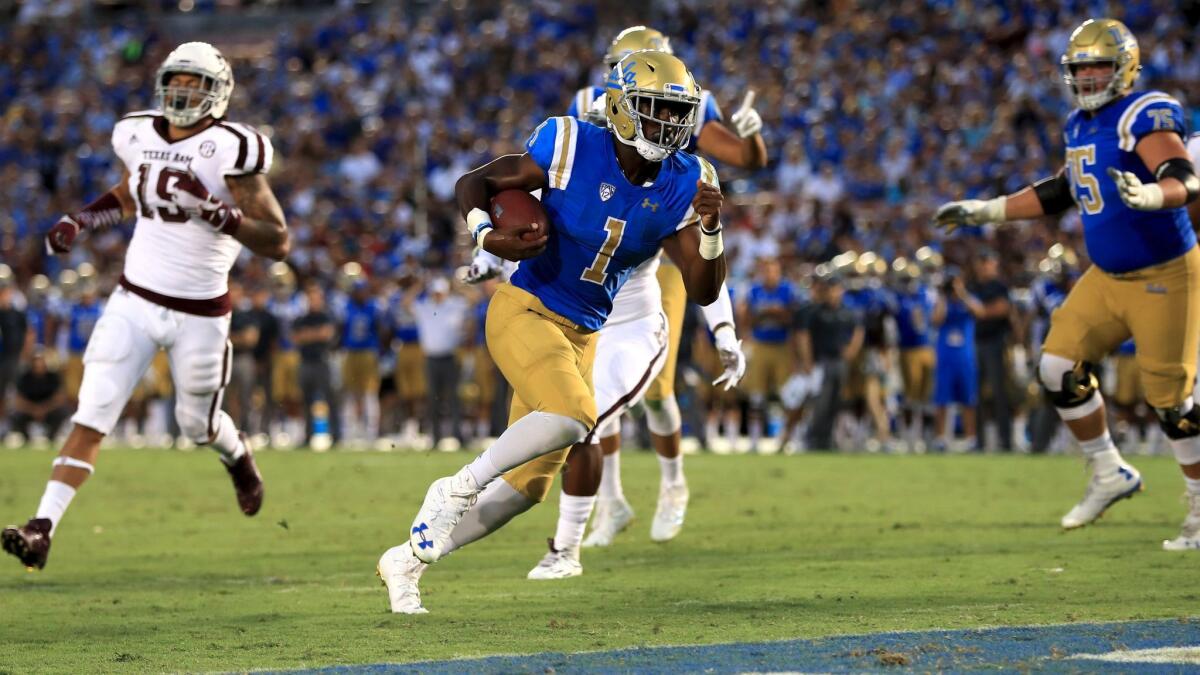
[263,228]
[105,211]
[474,193]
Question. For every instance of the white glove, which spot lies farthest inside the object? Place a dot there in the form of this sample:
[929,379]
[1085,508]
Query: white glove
[746,120]
[729,348]
[951,215]
[1136,194]
[483,267]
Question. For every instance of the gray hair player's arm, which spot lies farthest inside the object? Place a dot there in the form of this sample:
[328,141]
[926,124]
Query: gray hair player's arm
[263,228]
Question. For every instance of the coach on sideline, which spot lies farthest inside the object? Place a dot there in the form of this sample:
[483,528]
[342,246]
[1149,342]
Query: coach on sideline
[441,324]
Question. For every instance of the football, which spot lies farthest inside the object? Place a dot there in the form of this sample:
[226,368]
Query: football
[514,209]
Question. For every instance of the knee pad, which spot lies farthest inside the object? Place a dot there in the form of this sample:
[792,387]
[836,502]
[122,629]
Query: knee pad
[663,416]
[1070,386]
[193,423]
[205,372]
[1181,421]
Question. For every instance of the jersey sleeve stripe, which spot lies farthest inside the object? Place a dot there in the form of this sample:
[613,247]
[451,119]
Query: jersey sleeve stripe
[582,103]
[262,155]
[567,131]
[1127,141]
[240,163]
[689,218]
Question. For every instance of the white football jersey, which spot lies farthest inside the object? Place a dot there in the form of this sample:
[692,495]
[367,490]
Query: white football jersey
[172,253]
[640,296]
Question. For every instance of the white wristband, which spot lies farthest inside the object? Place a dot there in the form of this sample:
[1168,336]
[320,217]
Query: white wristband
[711,246]
[478,224]
[993,210]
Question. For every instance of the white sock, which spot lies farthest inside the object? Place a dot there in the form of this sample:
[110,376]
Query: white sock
[1105,457]
[55,500]
[672,469]
[227,443]
[497,505]
[1193,485]
[610,480]
[573,514]
[532,436]
[371,416]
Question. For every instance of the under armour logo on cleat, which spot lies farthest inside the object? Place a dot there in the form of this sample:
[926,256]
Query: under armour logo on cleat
[1125,473]
[420,532]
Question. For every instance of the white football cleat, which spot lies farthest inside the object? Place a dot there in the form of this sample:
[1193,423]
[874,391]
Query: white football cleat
[612,517]
[1102,493]
[1189,534]
[399,570]
[557,565]
[668,517]
[445,503]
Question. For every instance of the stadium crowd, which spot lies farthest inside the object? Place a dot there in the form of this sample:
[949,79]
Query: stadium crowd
[871,119]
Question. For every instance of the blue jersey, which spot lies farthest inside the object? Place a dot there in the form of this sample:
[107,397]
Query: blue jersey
[286,310]
[479,313]
[603,226]
[1121,239]
[404,324]
[759,299]
[912,312]
[36,318]
[360,329]
[82,319]
[956,335]
[709,111]
[1127,348]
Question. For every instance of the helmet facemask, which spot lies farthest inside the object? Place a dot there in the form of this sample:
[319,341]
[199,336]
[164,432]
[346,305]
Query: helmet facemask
[659,133]
[184,106]
[1092,91]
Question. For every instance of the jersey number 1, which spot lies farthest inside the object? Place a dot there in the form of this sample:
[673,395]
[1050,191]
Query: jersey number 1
[169,213]
[597,272]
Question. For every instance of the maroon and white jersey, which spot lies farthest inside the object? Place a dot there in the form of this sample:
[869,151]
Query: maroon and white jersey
[171,253]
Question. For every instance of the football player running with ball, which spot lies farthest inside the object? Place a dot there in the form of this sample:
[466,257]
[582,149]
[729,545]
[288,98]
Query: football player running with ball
[542,325]
[198,188]
[1128,172]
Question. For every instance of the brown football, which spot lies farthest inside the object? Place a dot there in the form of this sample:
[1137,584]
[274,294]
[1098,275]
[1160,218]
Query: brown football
[515,209]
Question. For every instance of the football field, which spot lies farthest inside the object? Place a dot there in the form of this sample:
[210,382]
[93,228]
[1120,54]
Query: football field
[154,569]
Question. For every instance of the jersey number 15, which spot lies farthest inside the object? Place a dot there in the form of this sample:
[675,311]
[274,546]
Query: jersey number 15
[167,210]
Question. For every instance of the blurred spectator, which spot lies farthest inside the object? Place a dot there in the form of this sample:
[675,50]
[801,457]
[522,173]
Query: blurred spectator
[12,339]
[39,399]
[768,310]
[361,331]
[244,335]
[441,324]
[268,336]
[409,373]
[991,339]
[955,315]
[82,316]
[315,335]
[831,336]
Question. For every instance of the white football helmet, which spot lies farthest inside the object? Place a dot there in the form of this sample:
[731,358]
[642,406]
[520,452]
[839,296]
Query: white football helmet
[185,106]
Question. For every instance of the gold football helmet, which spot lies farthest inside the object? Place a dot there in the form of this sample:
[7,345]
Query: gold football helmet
[1101,41]
[282,280]
[638,88]
[350,274]
[635,39]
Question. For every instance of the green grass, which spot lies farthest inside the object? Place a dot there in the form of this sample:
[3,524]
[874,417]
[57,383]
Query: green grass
[154,569]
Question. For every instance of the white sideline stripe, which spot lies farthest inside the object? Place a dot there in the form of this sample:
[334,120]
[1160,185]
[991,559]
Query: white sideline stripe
[1170,655]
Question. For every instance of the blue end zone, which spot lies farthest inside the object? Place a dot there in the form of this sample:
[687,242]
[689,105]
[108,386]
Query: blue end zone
[1040,648]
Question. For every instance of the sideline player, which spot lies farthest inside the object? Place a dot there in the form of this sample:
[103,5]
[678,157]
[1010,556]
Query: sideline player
[541,326]
[198,187]
[1128,172]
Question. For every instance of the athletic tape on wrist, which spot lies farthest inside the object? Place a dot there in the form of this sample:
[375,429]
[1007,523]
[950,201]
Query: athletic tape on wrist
[711,245]
[73,463]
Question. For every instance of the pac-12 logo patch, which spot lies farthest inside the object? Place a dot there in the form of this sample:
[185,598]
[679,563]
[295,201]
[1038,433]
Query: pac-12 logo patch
[208,149]
[606,192]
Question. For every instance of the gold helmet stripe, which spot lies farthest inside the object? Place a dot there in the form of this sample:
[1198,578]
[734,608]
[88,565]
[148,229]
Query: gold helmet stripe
[566,130]
[1125,124]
